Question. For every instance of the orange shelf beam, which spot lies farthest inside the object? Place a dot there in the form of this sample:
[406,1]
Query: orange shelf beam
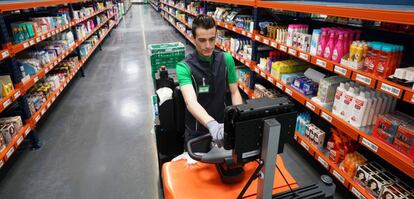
[235,2]
[7,152]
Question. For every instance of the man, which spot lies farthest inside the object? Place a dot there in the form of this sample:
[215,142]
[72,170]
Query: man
[204,78]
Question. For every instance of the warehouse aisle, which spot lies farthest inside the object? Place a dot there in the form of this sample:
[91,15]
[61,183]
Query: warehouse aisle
[97,142]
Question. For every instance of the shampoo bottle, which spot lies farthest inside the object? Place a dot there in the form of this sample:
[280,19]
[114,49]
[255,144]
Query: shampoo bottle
[339,96]
[359,109]
[322,42]
[329,46]
[338,51]
[348,102]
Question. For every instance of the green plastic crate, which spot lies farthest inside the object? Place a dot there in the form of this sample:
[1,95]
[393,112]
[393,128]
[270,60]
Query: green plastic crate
[165,54]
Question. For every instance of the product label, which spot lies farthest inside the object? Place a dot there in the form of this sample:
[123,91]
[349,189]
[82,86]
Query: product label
[321,63]
[38,39]
[273,44]
[340,70]
[390,89]
[292,51]
[363,79]
[279,85]
[339,176]
[9,153]
[357,193]
[266,41]
[257,38]
[288,91]
[323,162]
[304,145]
[304,56]
[5,54]
[36,79]
[369,144]
[6,103]
[32,42]
[37,118]
[25,45]
[17,94]
[27,131]
[19,140]
[243,32]
[310,105]
[326,116]
[283,48]
[263,74]
[249,35]
[270,79]
[257,70]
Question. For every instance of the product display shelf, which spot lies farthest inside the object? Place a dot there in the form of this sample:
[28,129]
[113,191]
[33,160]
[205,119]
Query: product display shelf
[14,49]
[246,89]
[52,98]
[182,21]
[5,53]
[235,29]
[246,62]
[235,2]
[9,99]
[183,33]
[333,168]
[181,9]
[6,153]
[80,41]
[362,135]
[17,5]
[154,5]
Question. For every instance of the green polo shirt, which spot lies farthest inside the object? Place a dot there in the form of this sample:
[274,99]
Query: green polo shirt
[184,72]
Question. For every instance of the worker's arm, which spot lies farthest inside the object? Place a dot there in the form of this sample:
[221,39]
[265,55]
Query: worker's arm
[236,98]
[190,98]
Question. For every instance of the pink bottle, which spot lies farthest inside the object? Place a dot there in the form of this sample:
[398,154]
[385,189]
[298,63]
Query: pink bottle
[338,51]
[322,42]
[329,46]
[346,43]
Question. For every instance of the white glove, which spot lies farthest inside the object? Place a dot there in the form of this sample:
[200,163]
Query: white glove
[216,131]
[186,157]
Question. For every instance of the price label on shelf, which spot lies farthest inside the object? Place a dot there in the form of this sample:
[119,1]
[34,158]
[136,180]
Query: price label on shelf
[279,85]
[304,145]
[243,32]
[263,74]
[36,79]
[20,140]
[49,35]
[369,144]
[295,136]
[42,37]
[5,54]
[357,193]
[54,98]
[234,29]
[38,39]
[340,70]
[226,26]
[43,111]
[310,106]
[249,35]
[25,44]
[304,56]
[51,67]
[17,94]
[56,62]
[283,48]
[412,98]
[10,152]
[245,90]
[266,41]
[326,116]
[257,70]
[46,70]
[390,89]
[37,118]
[32,42]
[273,44]
[1,163]
[321,63]
[288,91]
[339,176]
[323,162]
[257,38]
[48,105]
[27,131]
[292,51]
[270,79]
[242,60]
[363,79]
[6,103]
[53,32]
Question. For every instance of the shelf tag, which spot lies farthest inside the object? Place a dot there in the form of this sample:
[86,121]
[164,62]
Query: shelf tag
[37,118]
[47,70]
[257,70]
[226,26]
[19,140]
[48,34]
[43,111]
[304,145]
[257,38]
[295,136]
[412,98]
[36,79]
[323,162]
[270,79]
[243,32]
[53,32]
[1,163]
[7,103]
[321,63]
[288,91]
[279,85]
[326,116]
[51,67]
[10,152]
[27,131]
[54,98]
[25,45]
[273,44]
[304,56]
[249,35]
[339,176]
[263,74]
[48,105]
[266,41]
[310,105]
[292,51]
[5,54]
[363,79]
[234,29]
[340,70]
[17,94]
[370,145]
[282,48]
[390,89]
[38,39]
[32,42]
[357,193]
[245,90]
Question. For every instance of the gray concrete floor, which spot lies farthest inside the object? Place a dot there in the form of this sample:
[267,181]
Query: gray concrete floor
[97,140]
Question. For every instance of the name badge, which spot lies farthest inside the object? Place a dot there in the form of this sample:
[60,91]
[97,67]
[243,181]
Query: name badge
[204,89]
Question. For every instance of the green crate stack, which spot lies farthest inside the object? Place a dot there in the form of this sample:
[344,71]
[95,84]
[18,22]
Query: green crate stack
[166,54]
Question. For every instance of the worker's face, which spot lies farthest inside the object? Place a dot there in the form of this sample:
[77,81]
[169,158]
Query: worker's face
[205,41]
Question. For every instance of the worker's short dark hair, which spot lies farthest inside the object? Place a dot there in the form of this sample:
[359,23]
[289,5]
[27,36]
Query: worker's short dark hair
[203,21]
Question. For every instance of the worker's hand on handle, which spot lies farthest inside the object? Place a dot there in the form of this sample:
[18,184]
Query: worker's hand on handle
[216,131]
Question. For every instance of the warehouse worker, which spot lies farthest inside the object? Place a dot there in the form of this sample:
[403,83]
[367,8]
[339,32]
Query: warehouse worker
[204,78]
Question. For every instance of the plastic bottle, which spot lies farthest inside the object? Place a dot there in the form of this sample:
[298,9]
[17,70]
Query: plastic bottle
[289,39]
[370,60]
[352,50]
[338,51]
[329,46]
[384,61]
[316,34]
[339,96]
[359,53]
[372,109]
[359,109]
[378,108]
[322,42]
[348,102]
[369,104]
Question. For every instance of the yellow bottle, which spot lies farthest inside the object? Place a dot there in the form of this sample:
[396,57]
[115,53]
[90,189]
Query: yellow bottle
[352,51]
[359,53]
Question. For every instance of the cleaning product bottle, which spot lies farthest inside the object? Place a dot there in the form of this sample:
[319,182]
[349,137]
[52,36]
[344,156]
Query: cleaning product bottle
[339,96]
[322,42]
[329,46]
[348,102]
[338,51]
[359,109]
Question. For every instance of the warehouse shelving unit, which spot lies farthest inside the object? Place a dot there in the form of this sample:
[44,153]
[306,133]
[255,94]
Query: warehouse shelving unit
[23,85]
[384,13]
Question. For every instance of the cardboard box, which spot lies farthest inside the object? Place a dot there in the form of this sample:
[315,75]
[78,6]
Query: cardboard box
[404,140]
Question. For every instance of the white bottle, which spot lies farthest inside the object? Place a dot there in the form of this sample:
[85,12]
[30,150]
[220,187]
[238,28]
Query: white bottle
[379,105]
[369,107]
[289,39]
[348,102]
[339,96]
[372,109]
[359,109]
